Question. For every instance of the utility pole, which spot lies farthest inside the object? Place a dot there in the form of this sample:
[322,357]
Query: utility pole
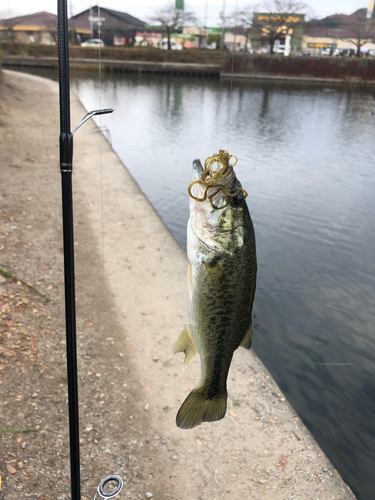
[71,17]
[205,24]
[222,16]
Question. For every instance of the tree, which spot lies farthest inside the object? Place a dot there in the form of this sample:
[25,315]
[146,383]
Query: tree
[8,23]
[355,28]
[52,30]
[359,32]
[172,20]
[214,38]
[243,22]
[278,18]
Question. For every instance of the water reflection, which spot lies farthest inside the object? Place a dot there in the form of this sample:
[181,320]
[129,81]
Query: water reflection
[264,108]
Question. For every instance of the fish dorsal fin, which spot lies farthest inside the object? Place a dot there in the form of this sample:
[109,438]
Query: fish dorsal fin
[247,339]
[185,343]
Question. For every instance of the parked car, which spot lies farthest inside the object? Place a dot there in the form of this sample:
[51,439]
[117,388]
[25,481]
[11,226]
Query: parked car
[262,50]
[280,49]
[326,52]
[306,53]
[93,42]
[344,52]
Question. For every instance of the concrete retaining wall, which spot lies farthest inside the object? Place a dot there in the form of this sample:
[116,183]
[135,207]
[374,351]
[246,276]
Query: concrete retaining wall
[350,70]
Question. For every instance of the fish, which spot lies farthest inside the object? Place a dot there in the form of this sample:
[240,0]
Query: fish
[221,282]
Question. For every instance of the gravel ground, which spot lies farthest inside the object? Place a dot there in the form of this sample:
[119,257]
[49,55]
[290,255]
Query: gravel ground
[131,303]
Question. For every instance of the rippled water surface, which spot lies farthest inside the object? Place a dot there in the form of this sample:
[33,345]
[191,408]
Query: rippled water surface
[306,157]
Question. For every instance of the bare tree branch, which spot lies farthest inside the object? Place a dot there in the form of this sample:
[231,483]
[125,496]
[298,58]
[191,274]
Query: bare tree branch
[360,33]
[243,21]
[7,24]
[280,17]
[171,20]
[52,30]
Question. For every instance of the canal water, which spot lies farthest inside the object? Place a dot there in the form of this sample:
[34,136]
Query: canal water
[306,158]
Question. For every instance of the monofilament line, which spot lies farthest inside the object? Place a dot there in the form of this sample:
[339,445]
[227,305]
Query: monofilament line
[231,73]
[101,169]
[100,131]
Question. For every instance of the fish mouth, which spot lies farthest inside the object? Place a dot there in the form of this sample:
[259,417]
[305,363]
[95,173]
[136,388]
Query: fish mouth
[230,178]
[218,195]
[197,169]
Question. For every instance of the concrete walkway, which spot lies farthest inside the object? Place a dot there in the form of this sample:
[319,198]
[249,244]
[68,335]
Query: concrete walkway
[261,450]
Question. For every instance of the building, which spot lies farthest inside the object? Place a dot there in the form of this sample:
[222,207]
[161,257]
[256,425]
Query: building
[40,27]
[202,38]
[277,33]
[113,27]
[196,37]
[340,31]
[149,38]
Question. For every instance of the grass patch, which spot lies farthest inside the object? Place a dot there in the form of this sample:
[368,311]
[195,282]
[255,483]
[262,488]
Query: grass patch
[17,431]
[5,273]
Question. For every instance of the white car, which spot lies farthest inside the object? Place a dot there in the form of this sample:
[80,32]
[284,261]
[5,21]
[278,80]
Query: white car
[326,51]
[280,49]
[93,42]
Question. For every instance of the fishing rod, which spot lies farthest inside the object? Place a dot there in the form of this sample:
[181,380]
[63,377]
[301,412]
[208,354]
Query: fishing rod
[66,168]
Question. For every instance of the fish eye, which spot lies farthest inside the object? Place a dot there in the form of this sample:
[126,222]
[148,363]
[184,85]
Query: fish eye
[236,200]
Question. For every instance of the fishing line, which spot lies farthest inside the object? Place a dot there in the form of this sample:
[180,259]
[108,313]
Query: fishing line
[100,139]
[231,74]
[101,185]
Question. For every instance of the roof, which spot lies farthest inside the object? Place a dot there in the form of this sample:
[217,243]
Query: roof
[35,22]
[79,21]
[31,21]
[125,17]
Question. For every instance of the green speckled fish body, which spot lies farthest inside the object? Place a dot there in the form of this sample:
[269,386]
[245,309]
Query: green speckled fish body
[221,280]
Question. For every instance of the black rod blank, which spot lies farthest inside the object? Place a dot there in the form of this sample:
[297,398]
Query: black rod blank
[66,166]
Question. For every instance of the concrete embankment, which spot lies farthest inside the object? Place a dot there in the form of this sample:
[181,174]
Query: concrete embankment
[294,69]
[261,450]
[118,66]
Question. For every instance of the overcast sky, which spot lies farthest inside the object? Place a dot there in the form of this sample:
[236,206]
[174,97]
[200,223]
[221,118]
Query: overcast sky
[143,9]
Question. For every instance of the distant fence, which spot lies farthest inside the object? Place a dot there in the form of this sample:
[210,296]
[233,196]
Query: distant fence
[194,56]
[343,69]
[194,62]
[163,68]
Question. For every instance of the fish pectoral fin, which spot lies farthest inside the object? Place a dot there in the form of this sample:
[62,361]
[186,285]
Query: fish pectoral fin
[247,339]
[185,343]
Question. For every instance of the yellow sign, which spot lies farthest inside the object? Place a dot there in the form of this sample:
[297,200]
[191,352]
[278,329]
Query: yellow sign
[289,19]
[283,30]
[317,45]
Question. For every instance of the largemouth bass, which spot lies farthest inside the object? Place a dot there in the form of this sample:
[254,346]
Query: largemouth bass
[221,282]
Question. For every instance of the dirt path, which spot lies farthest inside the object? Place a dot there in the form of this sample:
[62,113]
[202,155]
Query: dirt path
[130,309]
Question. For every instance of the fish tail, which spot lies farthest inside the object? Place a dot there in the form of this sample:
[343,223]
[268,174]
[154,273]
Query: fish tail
[198,408]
